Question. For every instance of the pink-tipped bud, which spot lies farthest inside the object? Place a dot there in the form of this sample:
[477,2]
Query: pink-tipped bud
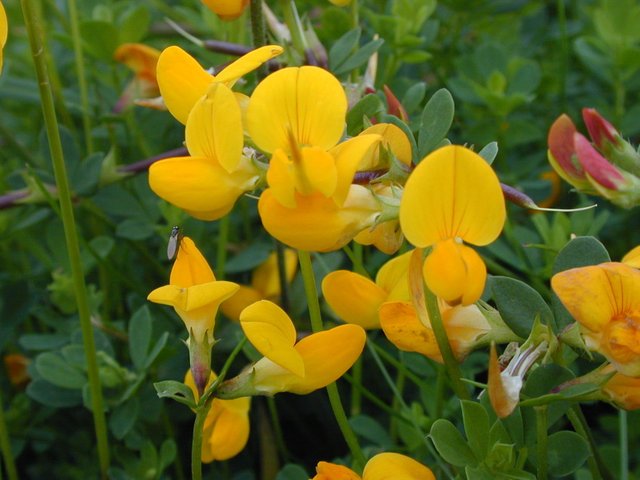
[394,107]
[560,140]
[600,130]
[599,169]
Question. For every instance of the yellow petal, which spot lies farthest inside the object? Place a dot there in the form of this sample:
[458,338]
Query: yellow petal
[386,237]
[200,185]
[208,294]
[452,193]
[386,466]
[247,63]
[4,33]
[305,104]
[244,297]
[401,326]
[632,258]
[455,273]
[214,127]
[331,471]
[226,9]
[327,356]
[623,390]
[190,267]
[349,155]
[392,277]
[394,139]
[182,81]
[271,332]
[465,327]
[229,430]
[596,294]
[167,295]
[354,298]
[266,278]
[317,223]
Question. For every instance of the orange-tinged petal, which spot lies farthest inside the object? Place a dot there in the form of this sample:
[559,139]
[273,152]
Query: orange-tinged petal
[182,81]
[394,139]
[140,58]
[402,327]
[452,193]
[200,186]
[226,9]
[387,466]
[244,297]
[327,356]
[354,298]
[190,267]
[623,390]
[349,155]
[266,278]
[502,400]
[386,237]
[248,63]
[306,105]
[331,471]
[214,127]
[271,332]
[594,295]
[317,223]
[632,258]
[465,326]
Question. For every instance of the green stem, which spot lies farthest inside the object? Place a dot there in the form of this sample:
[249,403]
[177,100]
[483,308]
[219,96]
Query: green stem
[356,396]
[596,465]
[223,240]
[292,19]
[82,81]
[541,430]
[257,23]
[71,235]
[450,362]
[5,446]
[306,269]
[358,259]
[196,441]
[624,445]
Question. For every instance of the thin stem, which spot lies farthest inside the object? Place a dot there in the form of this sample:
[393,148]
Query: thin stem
[541,431]
[356,396]
[306,269]
[71,235]
[196,441]
[257,23]
[624,445]
[80,73]
[221,251]
[5,446]
[292,19]
[596,465]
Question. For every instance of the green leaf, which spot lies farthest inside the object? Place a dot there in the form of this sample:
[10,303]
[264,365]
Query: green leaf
[100,38]
[48,394]
[369,429]
[155,351]
[413,96]
[437,117]
[55,369]
[360,57]
[168,451]
[135,229]
[176,390]
[563,460]
[369,106]
[476,427]
[85,175]
[123,418]
[249,258]
[134,24]
[519,304]
[292,472]
[342,48]
[43,341]
[139,336]
[489,152]
[580,252]
[451,445]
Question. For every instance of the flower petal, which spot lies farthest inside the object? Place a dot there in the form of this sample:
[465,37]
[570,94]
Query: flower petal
[190,267]
[266,278]
[244,297]
[229,429]
[247,63]
[452,193]
[331,471]
[214,127]
[394,139]
[632,258]
[226,9]
[502,400]
[140,58]
[306,105]
[271,332]
[392,277]
[182,81]
[349,155]
[4,32]
[354,298]
[385,466]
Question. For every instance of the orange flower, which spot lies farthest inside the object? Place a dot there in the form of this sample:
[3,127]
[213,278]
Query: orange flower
[142,60]
[383,466]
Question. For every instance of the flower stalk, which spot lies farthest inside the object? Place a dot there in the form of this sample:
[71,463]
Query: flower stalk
[32,24]
[5,446]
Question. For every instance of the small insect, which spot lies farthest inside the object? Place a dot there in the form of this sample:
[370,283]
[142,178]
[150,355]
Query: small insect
[174,242]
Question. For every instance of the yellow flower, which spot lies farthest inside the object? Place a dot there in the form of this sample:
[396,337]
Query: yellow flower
[207,184]
[632,257]
[452,196]
[226,428]
[265,284]
[193,291]
[382,466]
[226,9]
[183,81]
[4,33]
[356,299]
[605,300]
[465,327]
[142,60]
[302,367]
[622,390]
[298,115]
